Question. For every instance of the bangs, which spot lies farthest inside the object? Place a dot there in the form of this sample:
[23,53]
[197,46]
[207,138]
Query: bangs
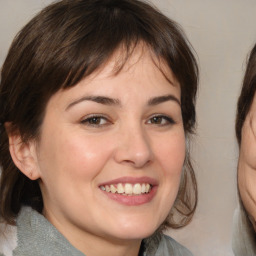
[110,29]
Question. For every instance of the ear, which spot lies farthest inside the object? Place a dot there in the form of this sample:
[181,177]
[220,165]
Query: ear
[24,155]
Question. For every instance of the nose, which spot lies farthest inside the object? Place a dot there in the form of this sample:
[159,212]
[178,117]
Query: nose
[134,148]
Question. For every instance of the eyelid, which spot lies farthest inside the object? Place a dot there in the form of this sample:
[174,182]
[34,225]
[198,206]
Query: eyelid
[85,120]
[169,119]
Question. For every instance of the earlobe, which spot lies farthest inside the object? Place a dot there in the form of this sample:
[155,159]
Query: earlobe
[24,156]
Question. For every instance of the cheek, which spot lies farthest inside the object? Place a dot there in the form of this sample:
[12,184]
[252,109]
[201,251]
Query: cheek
[73,155]
[247,168]
[248,143]
[87,156]
[248,151]
[171,154]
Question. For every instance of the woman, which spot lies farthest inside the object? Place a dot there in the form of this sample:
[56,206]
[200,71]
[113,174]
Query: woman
[97,100]
[244,242]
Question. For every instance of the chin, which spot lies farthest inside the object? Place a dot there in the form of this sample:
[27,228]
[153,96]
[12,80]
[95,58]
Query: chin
[136,231]
[134,235]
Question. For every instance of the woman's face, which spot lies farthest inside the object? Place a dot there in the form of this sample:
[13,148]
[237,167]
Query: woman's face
[247,164]
[111,153]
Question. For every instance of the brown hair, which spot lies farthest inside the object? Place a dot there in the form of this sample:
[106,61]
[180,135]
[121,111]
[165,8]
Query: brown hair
[66,42]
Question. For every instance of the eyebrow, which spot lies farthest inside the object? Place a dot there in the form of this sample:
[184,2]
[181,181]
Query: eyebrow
[116,102]
[161,99]
[98,99]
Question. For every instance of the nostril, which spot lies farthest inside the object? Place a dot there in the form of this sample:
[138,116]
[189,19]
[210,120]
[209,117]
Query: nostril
[137,163]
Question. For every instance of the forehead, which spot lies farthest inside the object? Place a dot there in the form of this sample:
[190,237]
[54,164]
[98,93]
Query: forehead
[127,61]
[142,75]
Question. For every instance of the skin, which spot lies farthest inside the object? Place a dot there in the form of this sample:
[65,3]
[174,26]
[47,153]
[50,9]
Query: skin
[247,164]
[75,154]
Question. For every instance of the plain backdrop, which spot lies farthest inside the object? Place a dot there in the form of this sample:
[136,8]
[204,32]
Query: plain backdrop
[222,33]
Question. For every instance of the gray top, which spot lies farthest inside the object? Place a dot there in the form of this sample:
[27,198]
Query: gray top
[35,236]
[243,238]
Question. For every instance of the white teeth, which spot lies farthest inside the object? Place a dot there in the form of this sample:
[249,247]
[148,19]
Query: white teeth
[143,188]
[120,188]
[113,189]
[127,188]
[107,188]
[136,189]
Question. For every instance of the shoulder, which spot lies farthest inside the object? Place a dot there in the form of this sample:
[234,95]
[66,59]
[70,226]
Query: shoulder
[8,239]
[160,244]
[34,236]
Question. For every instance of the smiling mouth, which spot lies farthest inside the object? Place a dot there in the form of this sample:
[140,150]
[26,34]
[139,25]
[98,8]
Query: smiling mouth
[127,188]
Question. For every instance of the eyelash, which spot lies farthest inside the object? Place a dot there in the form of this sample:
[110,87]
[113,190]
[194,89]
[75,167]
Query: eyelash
[92,118]
[95,120]
[168,120]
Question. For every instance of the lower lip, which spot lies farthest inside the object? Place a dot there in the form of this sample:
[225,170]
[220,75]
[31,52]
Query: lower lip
[132,200]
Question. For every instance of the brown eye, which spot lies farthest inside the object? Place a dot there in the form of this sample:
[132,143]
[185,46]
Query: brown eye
[157,120]
[95,121]
[161,120]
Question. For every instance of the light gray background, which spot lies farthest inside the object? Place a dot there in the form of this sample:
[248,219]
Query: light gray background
[222,32]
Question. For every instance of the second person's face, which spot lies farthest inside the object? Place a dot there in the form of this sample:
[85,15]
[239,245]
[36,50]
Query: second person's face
[247,164]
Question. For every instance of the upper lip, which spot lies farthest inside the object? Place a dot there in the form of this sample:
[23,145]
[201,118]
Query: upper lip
[131,180]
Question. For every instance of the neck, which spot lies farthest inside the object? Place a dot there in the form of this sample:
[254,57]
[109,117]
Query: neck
[94,246]
[110,248]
